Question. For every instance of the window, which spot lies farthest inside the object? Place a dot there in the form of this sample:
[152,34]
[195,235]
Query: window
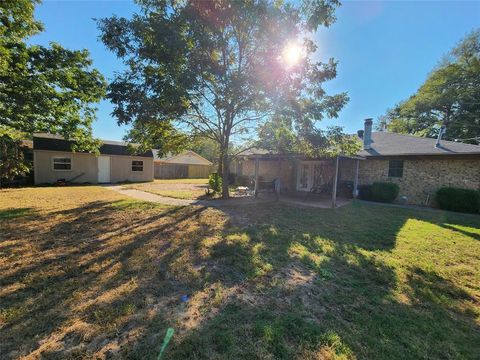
[395,168]
[137,165]
[62,163]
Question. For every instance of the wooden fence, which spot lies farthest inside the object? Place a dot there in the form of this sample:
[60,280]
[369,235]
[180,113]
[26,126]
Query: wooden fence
[182,171]
[199,171]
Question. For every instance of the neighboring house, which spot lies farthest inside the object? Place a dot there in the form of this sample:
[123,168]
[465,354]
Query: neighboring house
[186,165]
[53,160]
[416,164]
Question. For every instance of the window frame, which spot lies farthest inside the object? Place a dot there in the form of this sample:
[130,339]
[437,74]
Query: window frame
[62,157]
[132,166]
[395,171]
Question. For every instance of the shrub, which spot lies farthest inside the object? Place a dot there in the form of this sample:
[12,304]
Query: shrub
[215,182]
[365,192]
[384,192]
[457,199]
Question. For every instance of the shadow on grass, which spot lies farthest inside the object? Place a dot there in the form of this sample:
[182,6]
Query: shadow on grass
[463,230]
[105,279]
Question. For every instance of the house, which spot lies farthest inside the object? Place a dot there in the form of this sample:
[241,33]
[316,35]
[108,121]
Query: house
[418,165]
[54,160]
[186,165]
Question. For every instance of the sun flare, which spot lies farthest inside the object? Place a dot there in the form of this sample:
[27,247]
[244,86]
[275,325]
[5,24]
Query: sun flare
[292,54]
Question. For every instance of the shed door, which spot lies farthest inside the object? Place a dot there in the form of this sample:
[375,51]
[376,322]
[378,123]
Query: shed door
[303,177]
[104,169]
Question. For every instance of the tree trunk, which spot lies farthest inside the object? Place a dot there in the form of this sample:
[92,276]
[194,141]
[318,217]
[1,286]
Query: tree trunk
[225,173]
[220,164]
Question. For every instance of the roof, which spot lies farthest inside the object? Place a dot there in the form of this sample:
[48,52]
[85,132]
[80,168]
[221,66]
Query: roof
[393,144]
[52,142]
[188,157]
[255,151]
[27,144]
[264,154]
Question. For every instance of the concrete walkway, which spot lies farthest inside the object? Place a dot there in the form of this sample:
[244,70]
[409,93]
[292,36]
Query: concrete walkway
[145,196]
[320,204]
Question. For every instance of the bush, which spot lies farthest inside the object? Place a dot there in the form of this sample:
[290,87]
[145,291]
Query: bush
[384,192]
[365,192]
[215,182]
[457,199]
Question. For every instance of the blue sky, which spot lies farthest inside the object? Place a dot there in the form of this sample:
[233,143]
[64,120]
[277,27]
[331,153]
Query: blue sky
[385,49]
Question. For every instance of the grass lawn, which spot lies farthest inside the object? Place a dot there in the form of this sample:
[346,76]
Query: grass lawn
[177,194]
[181,181]
[175,188]
[87,273]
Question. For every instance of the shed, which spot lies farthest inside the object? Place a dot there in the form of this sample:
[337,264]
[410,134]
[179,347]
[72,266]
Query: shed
[54,160]
[186,165]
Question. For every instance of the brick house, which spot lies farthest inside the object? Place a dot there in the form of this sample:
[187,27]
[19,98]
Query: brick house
[418,165]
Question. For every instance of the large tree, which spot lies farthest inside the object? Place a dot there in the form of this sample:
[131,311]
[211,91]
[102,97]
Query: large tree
[450,97]
[280,136]
[162,136]
[44,88]
[221,67]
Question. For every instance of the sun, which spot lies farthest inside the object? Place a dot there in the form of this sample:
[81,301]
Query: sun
[292,54]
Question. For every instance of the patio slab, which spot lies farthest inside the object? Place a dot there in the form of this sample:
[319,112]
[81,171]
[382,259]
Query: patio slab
[316,202]
[322,203]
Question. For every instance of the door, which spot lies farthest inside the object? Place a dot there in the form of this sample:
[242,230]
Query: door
[104,169]
[303,176]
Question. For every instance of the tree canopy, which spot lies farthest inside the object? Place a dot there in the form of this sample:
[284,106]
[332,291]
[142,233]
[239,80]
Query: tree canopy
[279,135]
[44,89]
[450,96]
[221,67]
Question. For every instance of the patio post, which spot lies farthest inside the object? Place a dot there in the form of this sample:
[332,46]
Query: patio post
[334,189]
[257,164]
[355,184]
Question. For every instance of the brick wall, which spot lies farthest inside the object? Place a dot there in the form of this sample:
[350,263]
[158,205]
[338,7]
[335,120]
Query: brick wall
[421,178]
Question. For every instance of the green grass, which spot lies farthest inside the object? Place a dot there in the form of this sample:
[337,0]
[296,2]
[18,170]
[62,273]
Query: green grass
[264,282]
[15,212]
[129,204]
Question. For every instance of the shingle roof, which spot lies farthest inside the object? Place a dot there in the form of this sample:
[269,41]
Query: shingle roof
[254,151]
[392,144]
[43,141]
[188,157]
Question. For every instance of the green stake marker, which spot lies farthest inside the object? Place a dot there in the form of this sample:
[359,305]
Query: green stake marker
[166,340]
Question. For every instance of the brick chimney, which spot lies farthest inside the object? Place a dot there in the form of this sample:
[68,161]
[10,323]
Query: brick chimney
[367,134]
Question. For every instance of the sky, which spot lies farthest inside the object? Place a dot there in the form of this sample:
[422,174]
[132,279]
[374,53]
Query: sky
[385,49]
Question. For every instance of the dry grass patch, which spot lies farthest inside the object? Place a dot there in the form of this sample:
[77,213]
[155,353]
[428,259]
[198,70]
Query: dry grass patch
[181,181]
[193,189]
